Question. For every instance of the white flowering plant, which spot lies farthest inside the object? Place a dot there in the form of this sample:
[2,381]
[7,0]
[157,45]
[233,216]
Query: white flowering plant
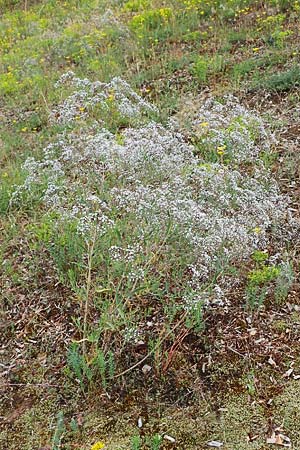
[140,221]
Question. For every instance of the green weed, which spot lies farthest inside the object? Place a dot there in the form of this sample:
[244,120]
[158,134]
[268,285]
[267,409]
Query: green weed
[280,82]
[284,282]
[59,431]
[259,282]
[136,443]
[88,368]
[263,275]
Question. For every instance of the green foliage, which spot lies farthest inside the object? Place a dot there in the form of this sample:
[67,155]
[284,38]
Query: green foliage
[245,67]
[78,365]
[155,443]
[250,383]
[259,281]
[284,282]
[59,431]
[260,257]
[65,247]
[194,320]
[136,5]
[263,275]
[136,443]
[200,69]
[279,37]
[8,180]
[5,193]
[282,81]
[87,369]
[150,20]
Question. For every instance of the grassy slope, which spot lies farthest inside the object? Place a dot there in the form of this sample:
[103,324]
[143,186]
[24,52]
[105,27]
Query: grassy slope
[179,48]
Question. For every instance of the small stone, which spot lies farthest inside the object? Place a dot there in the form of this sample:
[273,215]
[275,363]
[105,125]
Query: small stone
[146,369]
[169,438]
[216,444]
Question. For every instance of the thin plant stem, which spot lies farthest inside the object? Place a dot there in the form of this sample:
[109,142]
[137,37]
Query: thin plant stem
[91,247]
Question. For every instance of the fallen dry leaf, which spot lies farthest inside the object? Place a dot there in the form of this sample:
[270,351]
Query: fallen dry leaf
[216,444]
[252,331]
[169,438]
[279,439]
[288,373]
[272,362]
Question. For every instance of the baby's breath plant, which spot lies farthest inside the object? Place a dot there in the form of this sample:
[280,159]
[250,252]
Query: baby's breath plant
[141,214]
[95,99]
[227,131]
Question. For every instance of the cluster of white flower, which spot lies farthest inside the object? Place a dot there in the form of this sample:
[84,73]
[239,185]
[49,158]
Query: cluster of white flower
[230,130]
[127,254]
[216,297]
[132,334]
[153,177]
[88,95]
[136,275]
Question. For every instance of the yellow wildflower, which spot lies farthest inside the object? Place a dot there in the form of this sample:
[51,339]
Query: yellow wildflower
[98,446]
[256,230]
[111,98]
[204,124]
[221,149]
[255,49]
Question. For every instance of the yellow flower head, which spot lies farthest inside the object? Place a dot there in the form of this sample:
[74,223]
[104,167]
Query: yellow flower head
[111,97]
[221,149]
[204,124]
[255,49]
[256,230]
[98,446]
